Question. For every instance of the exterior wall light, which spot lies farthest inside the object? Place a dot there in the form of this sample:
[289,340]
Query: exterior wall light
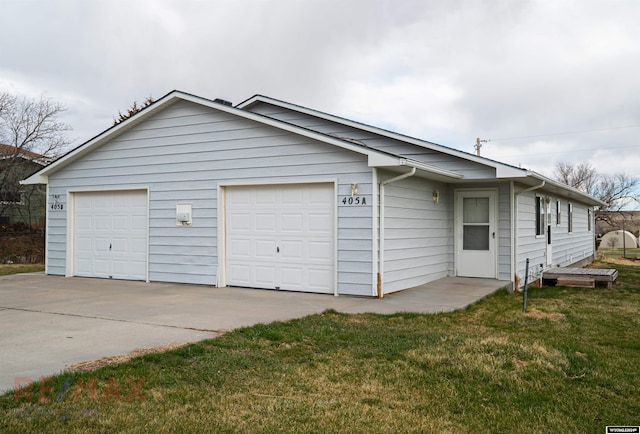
[354,189]
[436,196]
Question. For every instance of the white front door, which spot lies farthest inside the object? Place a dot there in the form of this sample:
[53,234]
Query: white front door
[281,237]
[110,235]
[476,233]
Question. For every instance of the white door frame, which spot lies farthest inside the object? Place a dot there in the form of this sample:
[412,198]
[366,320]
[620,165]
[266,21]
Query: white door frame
[221,274]
[493,225]
[70,221]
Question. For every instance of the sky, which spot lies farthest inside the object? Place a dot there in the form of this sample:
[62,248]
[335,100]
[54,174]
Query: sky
[542,81]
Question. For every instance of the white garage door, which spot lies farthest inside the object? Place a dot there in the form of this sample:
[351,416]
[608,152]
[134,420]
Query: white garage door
[110,234]
[281,237]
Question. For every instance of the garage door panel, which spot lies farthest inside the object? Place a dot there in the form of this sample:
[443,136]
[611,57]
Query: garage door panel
[321,223]
[265,249]
[239,249]
[240,223]
[292,277]
[292,250]
[289,228]
[264,276]
[240,273]
[265,222]
[292,223]
[110,234]
[320,278]
[320,251]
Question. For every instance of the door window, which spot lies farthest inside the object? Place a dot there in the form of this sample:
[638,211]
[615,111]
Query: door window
[475,223]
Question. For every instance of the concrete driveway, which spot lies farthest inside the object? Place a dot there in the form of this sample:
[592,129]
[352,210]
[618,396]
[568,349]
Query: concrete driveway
[48,323]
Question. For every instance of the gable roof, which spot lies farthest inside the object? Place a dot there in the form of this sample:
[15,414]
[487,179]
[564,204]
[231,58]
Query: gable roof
[503,171]
[501,168]
[375,157]
[10,151]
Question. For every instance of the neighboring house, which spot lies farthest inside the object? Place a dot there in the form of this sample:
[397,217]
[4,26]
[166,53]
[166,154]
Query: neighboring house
[21,204]
[272,195]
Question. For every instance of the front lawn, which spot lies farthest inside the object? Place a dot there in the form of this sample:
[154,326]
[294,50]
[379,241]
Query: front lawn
[6,269]
[571,364]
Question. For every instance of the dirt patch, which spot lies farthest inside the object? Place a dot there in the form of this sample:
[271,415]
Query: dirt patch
[112,360]
[614,260]
[552,316]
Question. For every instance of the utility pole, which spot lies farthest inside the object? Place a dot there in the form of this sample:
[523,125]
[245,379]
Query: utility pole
[479,145]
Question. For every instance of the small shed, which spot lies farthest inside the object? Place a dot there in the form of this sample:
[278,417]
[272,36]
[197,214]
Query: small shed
[618,239]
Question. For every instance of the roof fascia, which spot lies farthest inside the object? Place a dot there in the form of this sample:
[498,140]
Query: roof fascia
[569,191]
[375,157]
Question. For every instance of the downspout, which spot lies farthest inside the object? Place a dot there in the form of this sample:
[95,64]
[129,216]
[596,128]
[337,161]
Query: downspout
[514,230]
[382,185]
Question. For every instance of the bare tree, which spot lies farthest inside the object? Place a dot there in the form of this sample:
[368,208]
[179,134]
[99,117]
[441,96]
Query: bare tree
[616,191]
[31,133]
[612,242]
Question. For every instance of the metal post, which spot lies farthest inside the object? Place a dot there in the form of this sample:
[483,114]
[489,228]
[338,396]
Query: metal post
[624,241]
[526,284]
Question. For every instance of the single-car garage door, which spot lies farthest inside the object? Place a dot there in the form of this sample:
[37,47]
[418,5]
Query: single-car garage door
[281,237]
[110,234]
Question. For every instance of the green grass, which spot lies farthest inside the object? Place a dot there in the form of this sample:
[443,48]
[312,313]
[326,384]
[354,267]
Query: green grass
[6,269]
[618,252]
[569,365]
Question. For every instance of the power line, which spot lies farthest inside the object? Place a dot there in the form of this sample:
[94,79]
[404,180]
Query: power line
[570,152]
[566,133]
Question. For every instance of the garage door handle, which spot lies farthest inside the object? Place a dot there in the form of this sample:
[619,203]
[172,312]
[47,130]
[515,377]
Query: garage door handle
[109,246]
[277,249]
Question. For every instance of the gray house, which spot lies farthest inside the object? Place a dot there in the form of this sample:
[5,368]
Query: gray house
[272,195]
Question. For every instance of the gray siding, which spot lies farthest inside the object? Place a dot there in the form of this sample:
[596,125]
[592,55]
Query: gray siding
[418,233]
[529,245]
[182,154]
[469,169]
[567,248]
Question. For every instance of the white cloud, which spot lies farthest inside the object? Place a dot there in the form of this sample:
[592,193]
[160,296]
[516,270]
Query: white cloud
[444,71]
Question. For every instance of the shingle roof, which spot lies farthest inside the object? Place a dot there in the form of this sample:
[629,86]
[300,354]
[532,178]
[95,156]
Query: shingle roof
[10,150]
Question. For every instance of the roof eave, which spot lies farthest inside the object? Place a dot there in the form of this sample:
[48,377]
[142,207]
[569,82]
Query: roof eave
[169,99]
[561,188]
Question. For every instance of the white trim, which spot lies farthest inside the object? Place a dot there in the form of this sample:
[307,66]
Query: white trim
[41,177]
[71,223]
[375,130]
[46,230]
[382,222]
[71,206]
[512,210]
[221,276]
[374,230]
[495,222]
[335,238]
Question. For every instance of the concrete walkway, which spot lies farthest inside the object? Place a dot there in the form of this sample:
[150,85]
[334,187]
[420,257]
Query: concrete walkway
[48,323]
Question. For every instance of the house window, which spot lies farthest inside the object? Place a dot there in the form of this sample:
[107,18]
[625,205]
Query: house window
[558,213]
[589,219]
[570,217]
[539,215]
